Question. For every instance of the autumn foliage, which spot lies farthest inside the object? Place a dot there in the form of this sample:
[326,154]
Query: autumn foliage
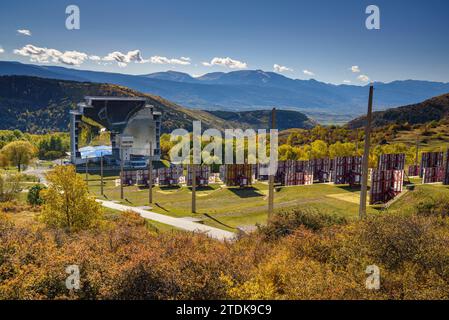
[318,258]
[67,202]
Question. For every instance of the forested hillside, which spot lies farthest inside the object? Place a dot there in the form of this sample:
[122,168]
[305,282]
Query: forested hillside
[39,105]
[434,109]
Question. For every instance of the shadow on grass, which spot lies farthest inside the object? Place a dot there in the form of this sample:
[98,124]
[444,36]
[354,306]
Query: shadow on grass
[160,207]
[218,221]
[349,188]
[202,188]
[143,187]
[248,192]
[169,188]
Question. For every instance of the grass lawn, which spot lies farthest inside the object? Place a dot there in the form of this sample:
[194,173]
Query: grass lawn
[228,208]
[422,191]
[152,225]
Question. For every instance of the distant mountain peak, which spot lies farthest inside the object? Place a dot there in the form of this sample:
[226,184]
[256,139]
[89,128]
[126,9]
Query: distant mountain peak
[171,75]
[247,89]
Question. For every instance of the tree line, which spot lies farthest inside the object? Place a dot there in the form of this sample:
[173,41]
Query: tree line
[18,148]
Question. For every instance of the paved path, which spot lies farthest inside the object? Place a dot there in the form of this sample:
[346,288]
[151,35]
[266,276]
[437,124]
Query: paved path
[38,172]
[179,223]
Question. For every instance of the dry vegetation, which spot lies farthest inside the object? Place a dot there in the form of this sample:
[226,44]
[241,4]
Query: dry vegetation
[298,255]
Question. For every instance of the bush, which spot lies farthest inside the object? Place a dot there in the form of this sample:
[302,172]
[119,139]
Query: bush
[28,178]
[9,186]
[34,198]
[437,205]
[285,222]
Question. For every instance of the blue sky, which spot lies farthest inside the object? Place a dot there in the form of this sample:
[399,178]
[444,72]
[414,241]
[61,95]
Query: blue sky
[323,38]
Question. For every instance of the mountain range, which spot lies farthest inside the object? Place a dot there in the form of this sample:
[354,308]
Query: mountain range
[38,105]
[249,90]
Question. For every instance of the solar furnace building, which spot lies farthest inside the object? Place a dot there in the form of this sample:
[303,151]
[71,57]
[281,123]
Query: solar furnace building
[130,119]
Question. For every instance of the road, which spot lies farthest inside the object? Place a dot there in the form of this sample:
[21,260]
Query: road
[179,223]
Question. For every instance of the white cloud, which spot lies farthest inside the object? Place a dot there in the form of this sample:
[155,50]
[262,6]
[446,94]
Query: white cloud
[280,69]
[226,62]
[1,50]
[308,73]
[123,59]
[135,56]
[347,81]
[355,69]
[363,78]
[165,60]
[73,58]
[95,58]
[24,32]
[46,55]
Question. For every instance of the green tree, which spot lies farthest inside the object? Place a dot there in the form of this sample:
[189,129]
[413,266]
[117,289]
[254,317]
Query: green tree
[52,147]
[319,149]
[34,195]
[339,149]
[19,153]
[67,203]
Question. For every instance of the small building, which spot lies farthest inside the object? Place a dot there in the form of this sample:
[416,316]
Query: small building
[134,125]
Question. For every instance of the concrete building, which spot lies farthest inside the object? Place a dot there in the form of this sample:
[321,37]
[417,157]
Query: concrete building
[134,125]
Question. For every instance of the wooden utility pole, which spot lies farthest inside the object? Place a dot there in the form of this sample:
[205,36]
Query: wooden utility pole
[121,173]
[363,192]
[87,171]
[150,175]
[193,187]
[271,175]
[101,174]
[417,150]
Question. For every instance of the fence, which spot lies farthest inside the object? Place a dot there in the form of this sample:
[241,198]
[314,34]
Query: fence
[385,185]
